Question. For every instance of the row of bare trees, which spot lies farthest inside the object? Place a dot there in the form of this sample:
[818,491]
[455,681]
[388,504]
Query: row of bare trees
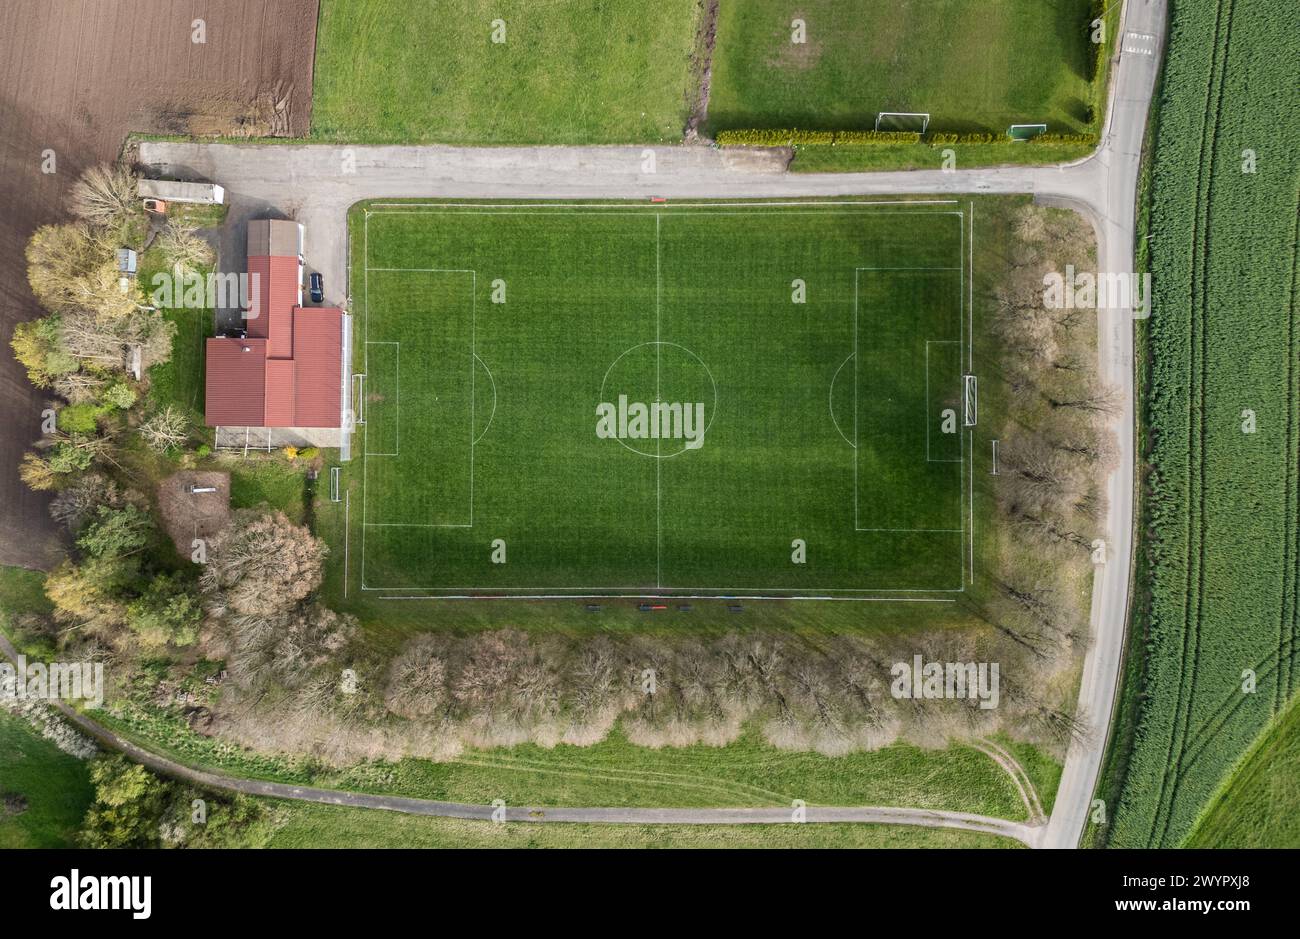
[300,685]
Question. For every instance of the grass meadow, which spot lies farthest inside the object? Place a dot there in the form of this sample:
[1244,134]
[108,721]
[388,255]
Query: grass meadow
[44,792]
[390,71]
[976,66]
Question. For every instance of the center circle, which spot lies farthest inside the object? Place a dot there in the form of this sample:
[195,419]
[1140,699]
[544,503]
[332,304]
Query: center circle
[664,373]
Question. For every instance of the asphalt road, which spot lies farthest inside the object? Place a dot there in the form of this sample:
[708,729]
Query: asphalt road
[317,184]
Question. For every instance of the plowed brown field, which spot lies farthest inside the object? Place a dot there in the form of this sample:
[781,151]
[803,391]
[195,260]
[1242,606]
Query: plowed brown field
[76,76]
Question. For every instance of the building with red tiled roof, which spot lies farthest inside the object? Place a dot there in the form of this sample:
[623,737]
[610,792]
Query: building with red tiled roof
[286,371]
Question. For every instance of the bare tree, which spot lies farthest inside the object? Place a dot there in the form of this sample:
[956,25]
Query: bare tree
[105,343]
[165,429]
[183,247]
[262,564]
[417,678]
[75,503]
[105,195]
[79,387]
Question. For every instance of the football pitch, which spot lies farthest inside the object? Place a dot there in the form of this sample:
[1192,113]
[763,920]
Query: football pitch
[652,400]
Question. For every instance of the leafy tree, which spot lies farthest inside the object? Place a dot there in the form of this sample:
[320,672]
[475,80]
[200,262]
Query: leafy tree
[88,594]
[80,418]
[67,457]
[37,345]
[103,291]
[36,473]
[120,395]
[116,531]
[129,803]
[58,257]
[167,612]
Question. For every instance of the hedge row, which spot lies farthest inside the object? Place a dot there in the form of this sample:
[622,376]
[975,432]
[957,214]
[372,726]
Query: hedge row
[838,138]
[791,137]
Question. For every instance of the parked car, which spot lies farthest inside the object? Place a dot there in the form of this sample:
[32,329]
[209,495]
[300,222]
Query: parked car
[317,288]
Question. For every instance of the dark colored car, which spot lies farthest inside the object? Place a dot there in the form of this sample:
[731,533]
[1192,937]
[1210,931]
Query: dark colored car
[317,288]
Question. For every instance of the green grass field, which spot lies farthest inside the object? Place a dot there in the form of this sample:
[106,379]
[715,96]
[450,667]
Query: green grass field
[973,65]
[617,772]
[493,335]
[324,826]
[54,786]
[581,73]
[179,380]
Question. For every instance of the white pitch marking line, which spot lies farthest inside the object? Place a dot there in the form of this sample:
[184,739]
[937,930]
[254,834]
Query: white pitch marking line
[651,596]
[676,206]
[659,527]
[779,591]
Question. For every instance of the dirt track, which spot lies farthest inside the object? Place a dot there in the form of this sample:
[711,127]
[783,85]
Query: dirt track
[75,77]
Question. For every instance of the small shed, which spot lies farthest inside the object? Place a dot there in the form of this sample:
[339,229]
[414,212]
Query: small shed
[126,261]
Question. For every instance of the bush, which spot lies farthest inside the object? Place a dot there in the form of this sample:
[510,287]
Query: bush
[80,418]
[792,137]
[167,612]
[120,396]
[841,138]
[68,458]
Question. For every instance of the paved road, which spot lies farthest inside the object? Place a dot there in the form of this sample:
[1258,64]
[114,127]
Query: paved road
[317,184]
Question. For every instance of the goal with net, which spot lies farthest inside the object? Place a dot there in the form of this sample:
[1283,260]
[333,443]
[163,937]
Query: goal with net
[913,121]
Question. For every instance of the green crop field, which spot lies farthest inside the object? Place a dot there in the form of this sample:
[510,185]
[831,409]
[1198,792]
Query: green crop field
[606,399]
[1221,613]
[395,71]
[1259,806]
[973,65]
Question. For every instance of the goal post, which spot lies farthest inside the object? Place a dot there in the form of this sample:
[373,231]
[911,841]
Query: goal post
[1026,131]
[903,121]
[970,401]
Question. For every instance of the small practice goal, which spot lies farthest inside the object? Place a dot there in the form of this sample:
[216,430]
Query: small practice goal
[1026,131]
[970,401]
[913,121]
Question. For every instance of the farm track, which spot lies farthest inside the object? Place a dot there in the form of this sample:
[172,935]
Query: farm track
[1198,378]
[1024,785]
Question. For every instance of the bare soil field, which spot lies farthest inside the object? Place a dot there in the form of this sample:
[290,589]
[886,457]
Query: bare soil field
[76,76]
